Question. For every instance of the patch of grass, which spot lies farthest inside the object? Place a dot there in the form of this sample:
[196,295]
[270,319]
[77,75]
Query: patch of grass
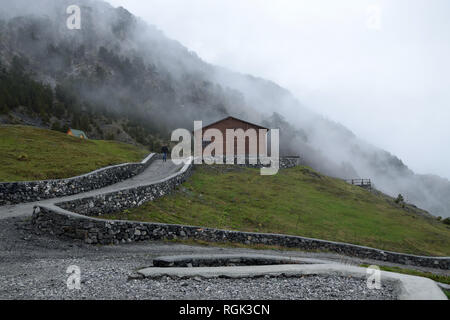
[432,276]
[296,201]
[447,293]
[30,153]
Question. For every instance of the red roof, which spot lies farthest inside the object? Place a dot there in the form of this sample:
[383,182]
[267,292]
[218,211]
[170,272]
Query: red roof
[256,125]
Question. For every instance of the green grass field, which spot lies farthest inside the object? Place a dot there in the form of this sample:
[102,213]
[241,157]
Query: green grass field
[29,153]
[435,277]
[296,201]
[447,293]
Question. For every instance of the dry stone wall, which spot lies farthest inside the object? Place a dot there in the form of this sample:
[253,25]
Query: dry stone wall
[59,222]
[30,191]
[284,162]
[128,198]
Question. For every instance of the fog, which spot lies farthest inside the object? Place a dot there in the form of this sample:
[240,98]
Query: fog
[384,77]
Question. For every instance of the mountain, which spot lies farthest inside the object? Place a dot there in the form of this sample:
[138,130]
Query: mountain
[120,78]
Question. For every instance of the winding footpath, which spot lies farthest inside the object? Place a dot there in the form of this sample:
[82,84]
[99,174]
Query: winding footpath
[156,171]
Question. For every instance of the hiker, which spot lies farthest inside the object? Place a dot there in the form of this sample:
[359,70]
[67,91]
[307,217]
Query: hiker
[164,151]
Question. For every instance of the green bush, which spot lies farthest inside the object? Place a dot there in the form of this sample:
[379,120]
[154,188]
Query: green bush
[399,199]
[22,157]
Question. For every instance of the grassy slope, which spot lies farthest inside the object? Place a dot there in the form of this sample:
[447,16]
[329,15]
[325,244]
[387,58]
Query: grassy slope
[49,154]
[435,277]
[296,201]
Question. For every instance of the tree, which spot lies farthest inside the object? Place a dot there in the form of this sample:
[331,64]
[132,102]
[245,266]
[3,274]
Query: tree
[18,65]
[56,126]
[58,109]
[400,200]
[100,72]
[4,109]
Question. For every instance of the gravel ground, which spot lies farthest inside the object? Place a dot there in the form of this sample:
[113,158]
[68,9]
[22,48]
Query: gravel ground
[113,283]
[34,267]
[269,288]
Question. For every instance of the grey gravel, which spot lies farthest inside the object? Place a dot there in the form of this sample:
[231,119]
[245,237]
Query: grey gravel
[113,282]
[270,288]
[34,267]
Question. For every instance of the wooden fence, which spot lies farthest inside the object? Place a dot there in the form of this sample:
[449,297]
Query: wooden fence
[365,183]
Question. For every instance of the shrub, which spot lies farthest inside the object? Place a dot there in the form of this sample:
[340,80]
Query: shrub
[399,199]
[56,126]
[22,157]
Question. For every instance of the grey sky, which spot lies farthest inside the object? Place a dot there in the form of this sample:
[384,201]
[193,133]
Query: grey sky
[390,86]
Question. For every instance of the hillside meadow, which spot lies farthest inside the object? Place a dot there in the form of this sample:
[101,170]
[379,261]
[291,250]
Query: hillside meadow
[297,201]
[30,153]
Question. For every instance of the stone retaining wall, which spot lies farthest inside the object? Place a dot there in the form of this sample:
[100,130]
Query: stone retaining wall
[29,191]
[285,162]
[289,162]
[59,222]
[127,198]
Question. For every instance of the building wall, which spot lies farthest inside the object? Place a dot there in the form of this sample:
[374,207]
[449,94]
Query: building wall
[234,124]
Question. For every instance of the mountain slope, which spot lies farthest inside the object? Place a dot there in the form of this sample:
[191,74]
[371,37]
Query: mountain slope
[121,78]
[297,201]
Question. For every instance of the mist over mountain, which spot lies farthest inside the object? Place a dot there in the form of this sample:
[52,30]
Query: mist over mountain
[121,78]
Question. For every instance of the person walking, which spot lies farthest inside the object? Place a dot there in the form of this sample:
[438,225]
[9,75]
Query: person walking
[164,151]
